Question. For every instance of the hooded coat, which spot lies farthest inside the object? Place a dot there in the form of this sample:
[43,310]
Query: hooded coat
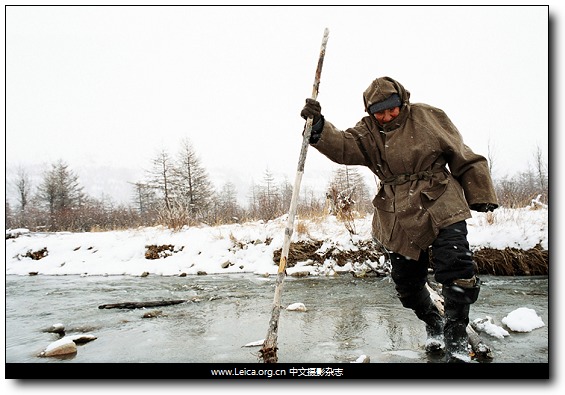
[428,176]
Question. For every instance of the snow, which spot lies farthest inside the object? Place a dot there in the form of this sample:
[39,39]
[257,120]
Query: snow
[523,319]
[235,248]
[249,248]
[487,325]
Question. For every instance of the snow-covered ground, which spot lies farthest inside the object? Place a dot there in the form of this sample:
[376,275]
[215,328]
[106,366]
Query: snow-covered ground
[236,248]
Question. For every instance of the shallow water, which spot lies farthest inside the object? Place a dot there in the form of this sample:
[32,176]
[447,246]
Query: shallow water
[347,317]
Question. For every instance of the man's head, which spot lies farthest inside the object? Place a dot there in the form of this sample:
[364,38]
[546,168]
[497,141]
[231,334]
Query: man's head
[383,99]
[386,110]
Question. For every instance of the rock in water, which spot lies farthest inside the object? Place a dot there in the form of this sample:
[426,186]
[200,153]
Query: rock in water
[62,346]
[56,328]
[362,359]
[296,307]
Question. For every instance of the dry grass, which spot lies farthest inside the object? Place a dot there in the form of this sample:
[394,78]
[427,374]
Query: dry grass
[302,228]
[490,218]
[513,261]
[507,262]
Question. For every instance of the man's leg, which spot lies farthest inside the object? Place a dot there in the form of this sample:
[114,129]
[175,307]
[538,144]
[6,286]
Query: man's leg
[410,279]
[455,270]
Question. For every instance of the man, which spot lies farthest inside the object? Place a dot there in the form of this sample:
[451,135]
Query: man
[429,181]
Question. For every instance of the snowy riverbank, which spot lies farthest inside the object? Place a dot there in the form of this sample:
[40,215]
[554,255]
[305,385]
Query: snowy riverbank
[236,248]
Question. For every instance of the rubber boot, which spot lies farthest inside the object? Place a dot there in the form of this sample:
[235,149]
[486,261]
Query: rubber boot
[429,313]
[455,332]
[458,298]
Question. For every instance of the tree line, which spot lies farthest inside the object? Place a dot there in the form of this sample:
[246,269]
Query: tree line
[177,191]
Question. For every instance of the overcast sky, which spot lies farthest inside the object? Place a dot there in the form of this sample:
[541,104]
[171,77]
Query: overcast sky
[109,87]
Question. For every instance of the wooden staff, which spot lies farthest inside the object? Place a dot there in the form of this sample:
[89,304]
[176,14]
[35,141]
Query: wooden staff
[269,350]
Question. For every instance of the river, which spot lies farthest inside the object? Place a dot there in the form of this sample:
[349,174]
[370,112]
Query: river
[346,318]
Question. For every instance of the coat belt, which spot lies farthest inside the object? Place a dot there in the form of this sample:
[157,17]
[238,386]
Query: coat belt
[404,178]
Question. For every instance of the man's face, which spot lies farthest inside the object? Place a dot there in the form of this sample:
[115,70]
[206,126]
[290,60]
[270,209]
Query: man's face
[387,115]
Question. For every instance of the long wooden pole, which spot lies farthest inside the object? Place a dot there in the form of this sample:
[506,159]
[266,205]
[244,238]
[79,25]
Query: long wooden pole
[269,350]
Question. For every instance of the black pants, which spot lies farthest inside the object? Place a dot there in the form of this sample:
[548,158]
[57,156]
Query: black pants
[451,257]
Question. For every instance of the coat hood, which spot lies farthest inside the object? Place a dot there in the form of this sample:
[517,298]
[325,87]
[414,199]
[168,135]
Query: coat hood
[381,89]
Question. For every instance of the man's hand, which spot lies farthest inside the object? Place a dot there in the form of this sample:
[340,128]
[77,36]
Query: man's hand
[483,207]
[312,109]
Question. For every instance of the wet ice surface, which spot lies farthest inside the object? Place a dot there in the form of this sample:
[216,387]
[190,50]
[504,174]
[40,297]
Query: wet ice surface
[346,317]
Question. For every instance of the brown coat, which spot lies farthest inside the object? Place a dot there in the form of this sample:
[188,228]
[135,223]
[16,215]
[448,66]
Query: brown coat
[429,177]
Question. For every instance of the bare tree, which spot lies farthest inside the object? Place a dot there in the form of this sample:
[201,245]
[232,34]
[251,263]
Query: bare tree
[146,202]
[9,216]
[491,151]
[253,201]
[286,189]
[23,188]
[192,185]
[542,173]
[269,197]
[62,194]
[348,181]
[228,208]
[310,205]
[160,178]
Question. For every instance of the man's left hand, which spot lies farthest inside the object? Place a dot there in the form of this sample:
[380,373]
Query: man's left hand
[483,207]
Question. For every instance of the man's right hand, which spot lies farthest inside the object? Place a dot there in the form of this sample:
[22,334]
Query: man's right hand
[312,109]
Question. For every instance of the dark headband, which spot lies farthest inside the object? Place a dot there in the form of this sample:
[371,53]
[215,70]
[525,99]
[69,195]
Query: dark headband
[392,101]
